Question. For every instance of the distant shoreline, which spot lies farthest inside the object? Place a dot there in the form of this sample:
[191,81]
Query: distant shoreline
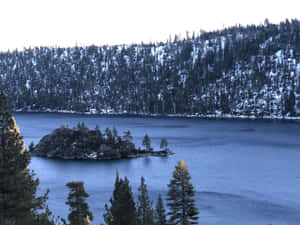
[185,116]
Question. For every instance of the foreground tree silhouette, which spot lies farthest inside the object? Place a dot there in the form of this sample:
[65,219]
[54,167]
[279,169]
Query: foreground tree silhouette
[122,210]
[78,207]
[18,201]
[160,212]
[180,198]
[144,211]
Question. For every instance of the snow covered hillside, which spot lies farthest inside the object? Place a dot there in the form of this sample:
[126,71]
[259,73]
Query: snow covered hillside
[239,71]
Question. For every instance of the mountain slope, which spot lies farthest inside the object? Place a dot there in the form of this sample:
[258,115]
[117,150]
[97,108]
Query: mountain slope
[251,70]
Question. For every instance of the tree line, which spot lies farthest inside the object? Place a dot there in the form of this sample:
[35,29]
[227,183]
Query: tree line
[123,210]
[242,70]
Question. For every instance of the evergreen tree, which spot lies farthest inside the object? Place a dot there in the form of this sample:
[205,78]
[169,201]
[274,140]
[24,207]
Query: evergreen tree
[160,212]
[79,209]
[290,104]
[122,210]
[31,147]
[115,133]
[147,142]
[127,136]
[144,211]
[163,143]
[127,141]
[109,136]
[18,200]
[116,138]
[81,126]
[98,131]
[180,198]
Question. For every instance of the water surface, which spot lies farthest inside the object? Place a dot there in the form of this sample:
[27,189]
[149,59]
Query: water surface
[244,172]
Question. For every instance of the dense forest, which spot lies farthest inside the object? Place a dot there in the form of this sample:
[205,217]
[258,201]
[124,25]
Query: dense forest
[248,71]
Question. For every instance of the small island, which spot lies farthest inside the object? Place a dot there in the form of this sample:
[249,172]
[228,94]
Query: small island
[82,143]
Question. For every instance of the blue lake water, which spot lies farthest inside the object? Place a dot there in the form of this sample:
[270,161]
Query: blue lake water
[244,172]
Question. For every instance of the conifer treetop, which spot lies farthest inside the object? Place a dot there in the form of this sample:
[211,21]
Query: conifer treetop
[182,165]
[117,172]
[88,221]
[181,202]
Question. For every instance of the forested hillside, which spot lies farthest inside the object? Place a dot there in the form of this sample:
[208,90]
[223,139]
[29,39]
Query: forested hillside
[252,71]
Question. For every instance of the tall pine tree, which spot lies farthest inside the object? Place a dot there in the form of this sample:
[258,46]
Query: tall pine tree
[122,210]
[160,212]
[78,207]
[147,142]
[18,200]
[144,211]
[180,198]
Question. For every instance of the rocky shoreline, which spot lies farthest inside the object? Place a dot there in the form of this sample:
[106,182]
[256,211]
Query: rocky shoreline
[163,153]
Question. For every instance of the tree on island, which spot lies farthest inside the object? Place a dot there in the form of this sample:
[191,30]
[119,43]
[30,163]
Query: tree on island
[79,209]
[147,143]
[180,198]
[82,127]
[127,136]
[160,212]
[98,131]
[122,210]
[144,211]
[164,144]
[18,201]
[109,136]
[115,133]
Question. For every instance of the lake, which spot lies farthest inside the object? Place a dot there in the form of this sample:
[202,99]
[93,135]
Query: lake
[245,172]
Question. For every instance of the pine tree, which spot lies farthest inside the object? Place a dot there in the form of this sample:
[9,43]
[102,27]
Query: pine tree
[109,136]
[31,147]
[79,209]
[164,143]
[160,212]
[147,142]
[115,133]
[18,200]
[127,136]
[144,211]
[180,198]
[290,104]
[122,210]
[127,141]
